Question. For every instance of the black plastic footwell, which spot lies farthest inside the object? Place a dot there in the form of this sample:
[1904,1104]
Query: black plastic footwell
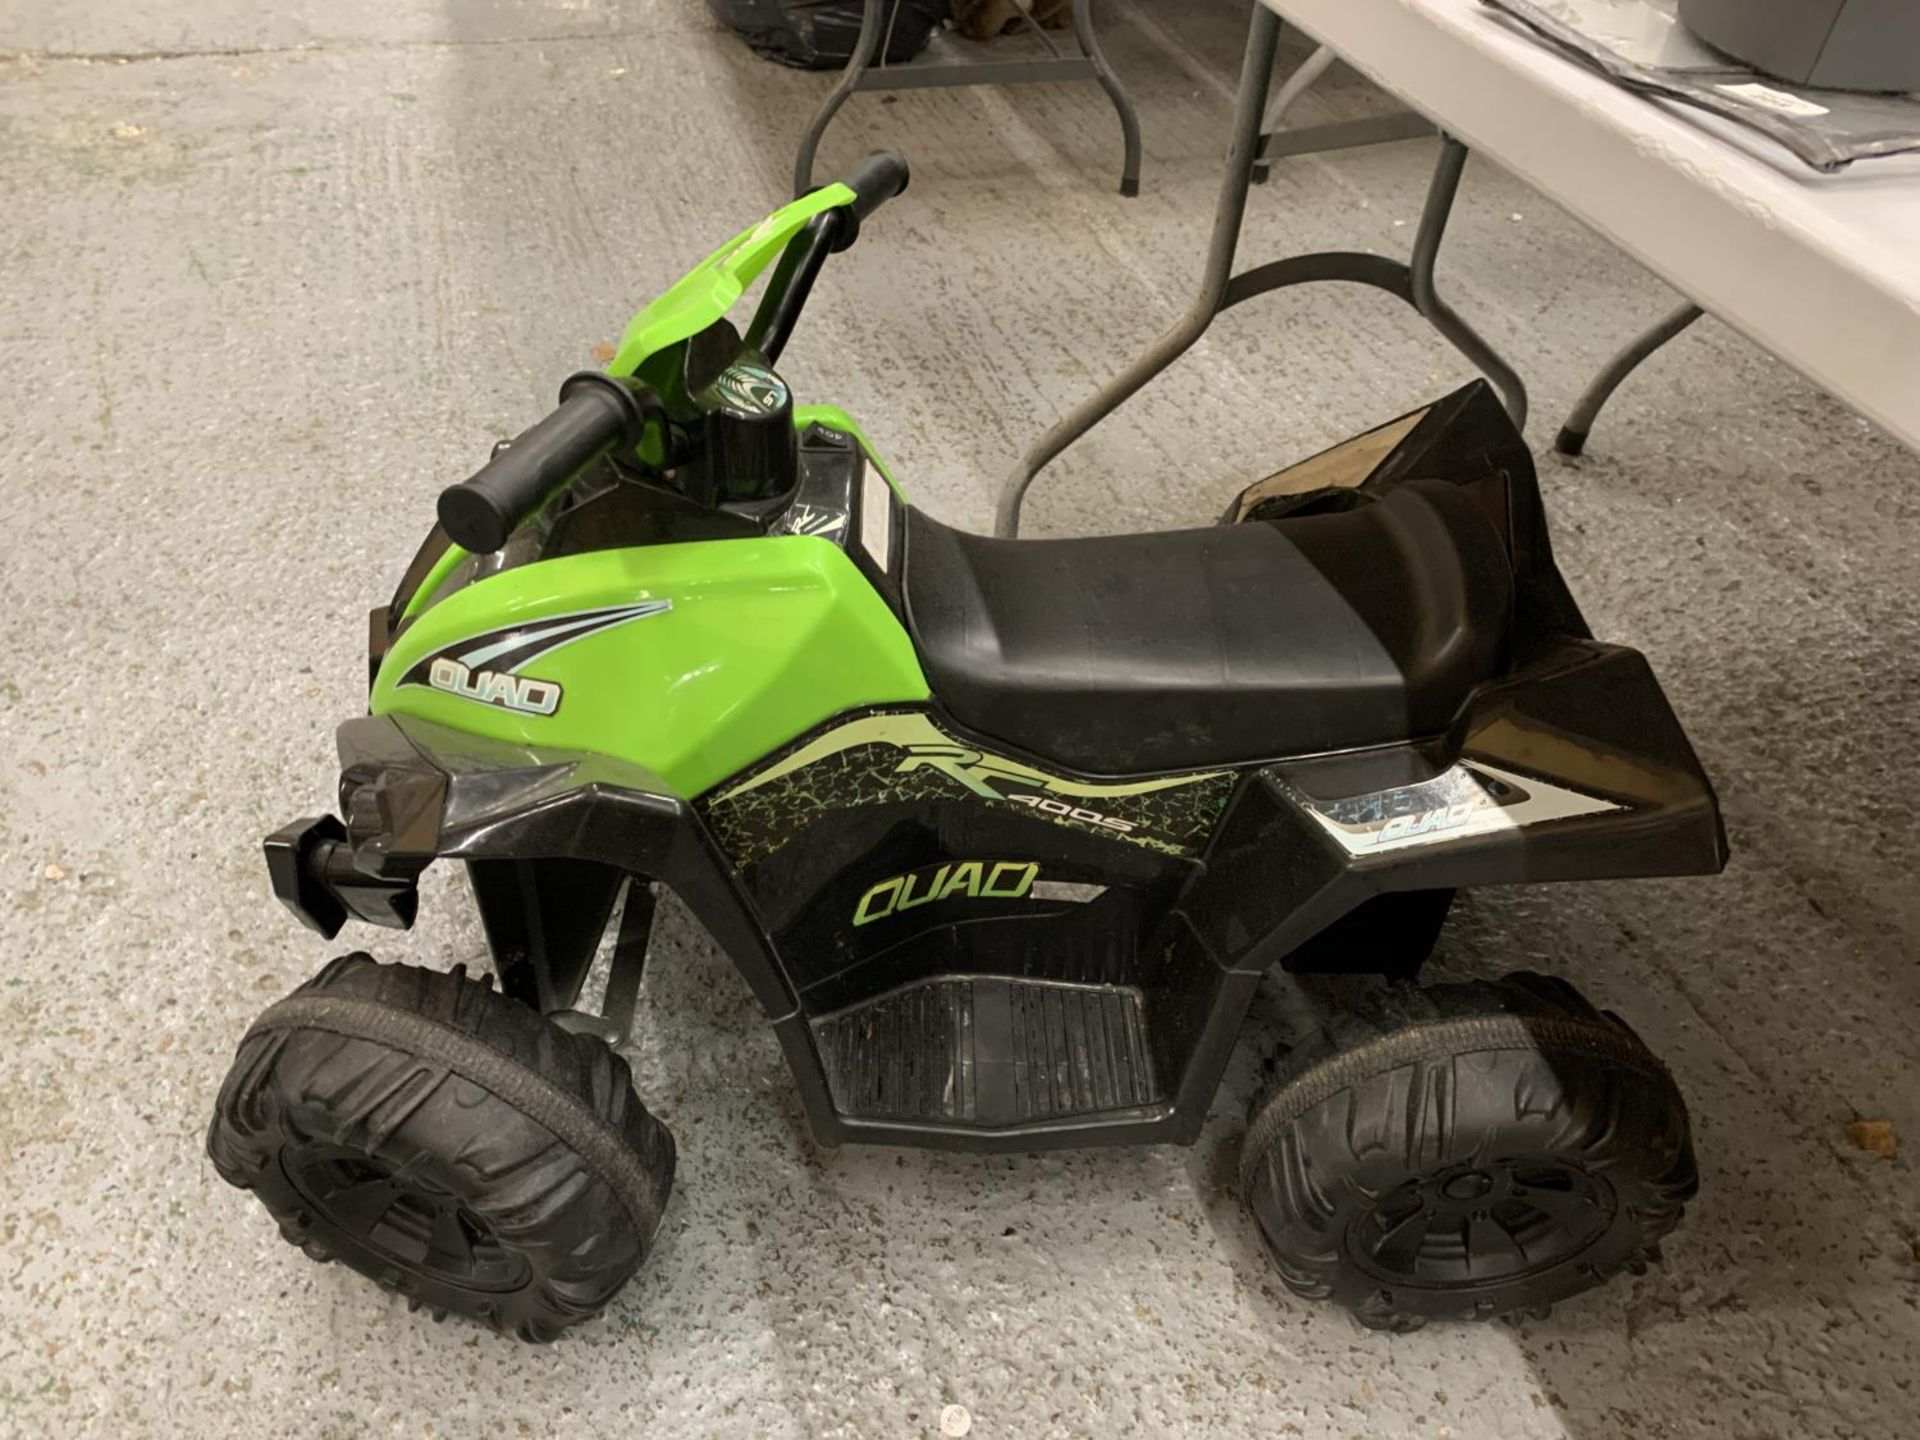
[990,1051]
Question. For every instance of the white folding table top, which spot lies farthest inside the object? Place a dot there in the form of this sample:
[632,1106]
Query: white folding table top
[1822,270]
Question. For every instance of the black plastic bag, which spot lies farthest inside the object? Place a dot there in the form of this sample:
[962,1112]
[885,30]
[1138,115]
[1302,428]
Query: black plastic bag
[821,34]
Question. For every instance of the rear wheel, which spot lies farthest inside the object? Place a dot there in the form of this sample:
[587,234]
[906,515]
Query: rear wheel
[450,1143]
[1466,1152]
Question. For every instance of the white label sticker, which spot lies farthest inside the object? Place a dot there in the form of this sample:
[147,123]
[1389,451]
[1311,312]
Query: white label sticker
[876,517]
[1773,99]
[1471,798]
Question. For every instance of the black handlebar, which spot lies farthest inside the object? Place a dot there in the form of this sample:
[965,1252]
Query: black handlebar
[595,412]
[598,411]
[876,180]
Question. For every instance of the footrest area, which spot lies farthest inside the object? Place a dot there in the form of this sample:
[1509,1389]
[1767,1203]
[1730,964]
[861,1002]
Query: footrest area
[990,1051]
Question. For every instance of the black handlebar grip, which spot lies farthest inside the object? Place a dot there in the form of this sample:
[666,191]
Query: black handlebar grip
[481,511]
[876,180]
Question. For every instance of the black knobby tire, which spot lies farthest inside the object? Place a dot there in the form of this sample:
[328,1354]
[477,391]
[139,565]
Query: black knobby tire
[449,1142]
[1466,1152]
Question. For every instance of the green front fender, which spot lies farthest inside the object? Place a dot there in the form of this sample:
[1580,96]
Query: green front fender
[762,639]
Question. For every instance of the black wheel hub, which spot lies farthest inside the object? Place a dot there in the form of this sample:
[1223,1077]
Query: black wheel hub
[406,1218]
[1489,1223]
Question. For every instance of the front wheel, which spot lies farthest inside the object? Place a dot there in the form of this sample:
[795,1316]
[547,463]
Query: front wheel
[1466,1152]
[448,1142]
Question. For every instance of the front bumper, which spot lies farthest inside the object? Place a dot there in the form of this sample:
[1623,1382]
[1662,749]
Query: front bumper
[312,868]
[412,792]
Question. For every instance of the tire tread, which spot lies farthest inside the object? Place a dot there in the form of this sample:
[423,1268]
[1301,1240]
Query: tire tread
[436,1067]
[1394,1055]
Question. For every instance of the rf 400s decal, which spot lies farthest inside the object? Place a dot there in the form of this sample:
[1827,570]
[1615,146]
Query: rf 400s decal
[487,667]
[994,777]
[903,757]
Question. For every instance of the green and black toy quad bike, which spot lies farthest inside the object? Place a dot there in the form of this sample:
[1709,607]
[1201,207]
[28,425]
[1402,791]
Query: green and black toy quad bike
[1003,834]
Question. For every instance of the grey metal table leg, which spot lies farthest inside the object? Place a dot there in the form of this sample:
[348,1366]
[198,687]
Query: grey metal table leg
[1291,89]
[1221,289]
[1412,282]
[1255,72]
[857,63]
[862,74]
[1426,249]
[1572,438]
[1278,141]
[1129,122]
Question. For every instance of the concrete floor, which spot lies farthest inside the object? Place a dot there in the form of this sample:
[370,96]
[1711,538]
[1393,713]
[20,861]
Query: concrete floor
[270,275]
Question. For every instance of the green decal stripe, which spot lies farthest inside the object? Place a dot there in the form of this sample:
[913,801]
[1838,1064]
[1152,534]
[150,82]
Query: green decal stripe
[894,729]
[904,758]
[915,728]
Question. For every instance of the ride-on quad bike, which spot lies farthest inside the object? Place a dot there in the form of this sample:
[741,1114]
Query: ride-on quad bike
[1003,834]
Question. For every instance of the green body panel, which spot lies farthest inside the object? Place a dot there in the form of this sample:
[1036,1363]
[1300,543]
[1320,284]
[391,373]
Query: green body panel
[706,292]
[830,416]
[430,585]
[766,639]
[834,418]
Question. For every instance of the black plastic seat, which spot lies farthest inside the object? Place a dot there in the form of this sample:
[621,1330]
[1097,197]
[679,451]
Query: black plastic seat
[1134,653]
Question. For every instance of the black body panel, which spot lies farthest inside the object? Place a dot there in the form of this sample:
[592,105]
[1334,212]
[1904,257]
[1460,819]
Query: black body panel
[1133,653]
